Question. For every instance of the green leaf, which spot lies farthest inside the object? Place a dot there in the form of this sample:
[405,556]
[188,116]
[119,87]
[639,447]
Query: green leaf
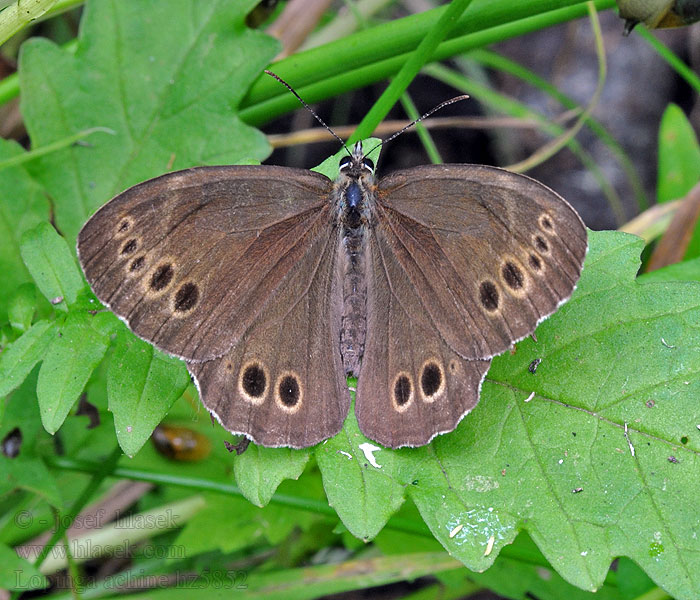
[17,360]
[360,479]
[22,412]
[260,470]
[632,581]
[22,306]
[619,366]
[679,155]
[142,385]
[521,579]
[688,270]
[76,349]
[227,524]
[22,205]
[51,263]
[18,573]
[170,92]
[29,474]
[25,471]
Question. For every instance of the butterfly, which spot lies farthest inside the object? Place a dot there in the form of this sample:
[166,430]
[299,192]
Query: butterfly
[274,284]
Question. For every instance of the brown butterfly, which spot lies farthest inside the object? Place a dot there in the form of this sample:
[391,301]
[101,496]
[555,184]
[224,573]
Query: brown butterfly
[274,283]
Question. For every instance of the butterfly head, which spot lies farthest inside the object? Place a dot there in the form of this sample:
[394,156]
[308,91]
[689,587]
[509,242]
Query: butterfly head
[356,165]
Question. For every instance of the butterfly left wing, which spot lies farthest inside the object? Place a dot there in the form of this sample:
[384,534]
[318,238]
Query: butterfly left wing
[233,269]
[283,383]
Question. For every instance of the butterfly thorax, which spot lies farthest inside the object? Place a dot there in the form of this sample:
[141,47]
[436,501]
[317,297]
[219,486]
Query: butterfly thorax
[354,190]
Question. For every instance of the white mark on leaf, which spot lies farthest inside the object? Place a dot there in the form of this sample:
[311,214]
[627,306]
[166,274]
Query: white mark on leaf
[369,450]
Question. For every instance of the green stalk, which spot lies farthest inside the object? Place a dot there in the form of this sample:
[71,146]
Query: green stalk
[400,38]
[261,105]
[104,469]
[426,48]
[222,487]
[668,55]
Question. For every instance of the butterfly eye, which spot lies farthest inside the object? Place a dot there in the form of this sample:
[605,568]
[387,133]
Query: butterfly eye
[344,162]
[368,164]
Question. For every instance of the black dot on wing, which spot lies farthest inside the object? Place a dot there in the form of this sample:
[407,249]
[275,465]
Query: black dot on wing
[541,244]
[488,295]
[137,263]
[402,390]
[162,277]
[289,392]
[186,297]
[513,276]
[254,381]
[535,262]
[130,246]
[431,379]
[124,226]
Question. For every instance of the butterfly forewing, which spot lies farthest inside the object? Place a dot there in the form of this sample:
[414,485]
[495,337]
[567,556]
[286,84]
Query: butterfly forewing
[190,258]
[489,252]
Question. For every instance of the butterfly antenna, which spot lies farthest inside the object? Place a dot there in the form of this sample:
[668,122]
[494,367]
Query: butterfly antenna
[419,119]
[307,107]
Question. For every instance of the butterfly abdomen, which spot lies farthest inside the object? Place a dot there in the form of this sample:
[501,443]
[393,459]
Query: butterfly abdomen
[354,319]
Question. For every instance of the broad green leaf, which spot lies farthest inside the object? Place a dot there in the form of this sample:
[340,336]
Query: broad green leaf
[679,155]
[521,580]
[18,573]
[548,452]
[29,474]
[22,412]
[17,360]
[522,575]
[632,581]
[76,349]
[688,270]
[360,479]
[51,263]
[260,470]
[167,79]
[142,384]
[22,205]
[619,370]
[226,524]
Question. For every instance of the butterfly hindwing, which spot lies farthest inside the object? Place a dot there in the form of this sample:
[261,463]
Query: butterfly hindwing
[412,385]
[283,383]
